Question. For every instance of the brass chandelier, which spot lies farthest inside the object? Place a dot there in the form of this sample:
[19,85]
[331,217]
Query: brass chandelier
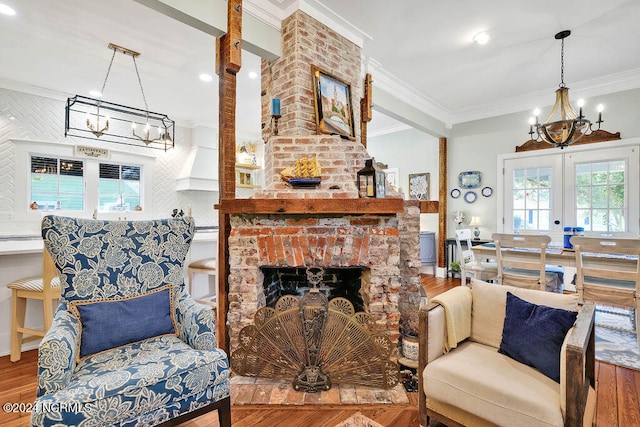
[563,127]
[92,118]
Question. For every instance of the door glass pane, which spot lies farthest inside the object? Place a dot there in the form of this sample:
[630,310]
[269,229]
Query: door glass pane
[518,220]
[544,199]
[601,200]
[532,200]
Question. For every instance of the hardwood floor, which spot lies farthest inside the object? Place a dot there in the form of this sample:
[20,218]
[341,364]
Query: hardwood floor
[618,396]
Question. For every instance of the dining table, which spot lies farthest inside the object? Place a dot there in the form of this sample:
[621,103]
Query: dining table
[556,255]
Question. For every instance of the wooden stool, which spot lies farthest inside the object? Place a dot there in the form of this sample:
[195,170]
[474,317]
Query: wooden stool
[45,289]
[204,266]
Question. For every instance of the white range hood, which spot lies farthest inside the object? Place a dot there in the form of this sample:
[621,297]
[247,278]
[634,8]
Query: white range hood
[200,169]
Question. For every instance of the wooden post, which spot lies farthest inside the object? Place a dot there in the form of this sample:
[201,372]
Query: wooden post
[365,109]
[442,205]
[228,62]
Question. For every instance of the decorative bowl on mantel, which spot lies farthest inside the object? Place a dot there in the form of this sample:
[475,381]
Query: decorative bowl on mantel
[304,182]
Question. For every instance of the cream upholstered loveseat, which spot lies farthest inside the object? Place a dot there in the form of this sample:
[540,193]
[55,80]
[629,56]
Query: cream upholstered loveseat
[475,385]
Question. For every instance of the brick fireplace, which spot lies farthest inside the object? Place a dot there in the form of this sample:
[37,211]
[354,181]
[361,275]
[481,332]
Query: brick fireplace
[328,226]
[383,244]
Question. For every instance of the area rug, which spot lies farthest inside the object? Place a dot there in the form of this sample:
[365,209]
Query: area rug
[358,420]
[615,341]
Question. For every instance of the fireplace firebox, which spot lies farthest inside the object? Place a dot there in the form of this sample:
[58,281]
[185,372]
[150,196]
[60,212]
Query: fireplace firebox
[345,282]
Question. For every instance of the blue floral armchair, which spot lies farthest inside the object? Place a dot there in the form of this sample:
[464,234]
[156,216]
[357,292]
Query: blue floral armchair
[128,346]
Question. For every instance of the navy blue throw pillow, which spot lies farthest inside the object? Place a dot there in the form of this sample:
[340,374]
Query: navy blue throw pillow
[107,324]
[533,334]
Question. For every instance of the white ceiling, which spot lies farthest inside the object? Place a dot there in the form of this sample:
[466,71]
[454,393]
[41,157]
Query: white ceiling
[59,47]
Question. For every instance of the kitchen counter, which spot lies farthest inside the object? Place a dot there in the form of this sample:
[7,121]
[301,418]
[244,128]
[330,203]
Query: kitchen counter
[17,245]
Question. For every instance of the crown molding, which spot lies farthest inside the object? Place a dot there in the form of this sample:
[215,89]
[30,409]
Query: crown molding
[34,90]
[273,16]
[387,130]
[618,82]
[334,21]
[264,11]
[402,90]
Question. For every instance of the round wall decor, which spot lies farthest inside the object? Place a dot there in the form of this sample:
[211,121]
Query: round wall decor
[455,193]
[487,191]
[470,196]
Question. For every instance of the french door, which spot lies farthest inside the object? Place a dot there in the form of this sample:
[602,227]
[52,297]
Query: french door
[595,189]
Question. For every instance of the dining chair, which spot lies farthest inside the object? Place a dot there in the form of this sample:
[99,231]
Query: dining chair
[524,271]
[470,267]
[45,288]
[603,278]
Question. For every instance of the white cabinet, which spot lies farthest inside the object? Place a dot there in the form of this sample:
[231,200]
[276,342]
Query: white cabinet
[428,248]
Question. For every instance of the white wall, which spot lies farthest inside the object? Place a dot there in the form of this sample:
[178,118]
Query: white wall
[411,151]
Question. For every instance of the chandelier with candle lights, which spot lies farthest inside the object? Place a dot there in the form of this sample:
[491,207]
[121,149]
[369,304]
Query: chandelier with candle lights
[563,127]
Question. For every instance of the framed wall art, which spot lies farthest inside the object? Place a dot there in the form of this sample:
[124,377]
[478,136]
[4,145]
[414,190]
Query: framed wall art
[393,177]
[332,99]
[419,186]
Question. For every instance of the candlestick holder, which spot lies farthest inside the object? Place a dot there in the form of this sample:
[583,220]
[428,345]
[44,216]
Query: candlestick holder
[275,118]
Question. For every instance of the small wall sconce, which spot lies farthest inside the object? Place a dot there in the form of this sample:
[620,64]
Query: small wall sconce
[275,114]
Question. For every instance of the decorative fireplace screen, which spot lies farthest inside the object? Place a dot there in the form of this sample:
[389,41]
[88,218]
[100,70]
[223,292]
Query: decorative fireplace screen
[315,342]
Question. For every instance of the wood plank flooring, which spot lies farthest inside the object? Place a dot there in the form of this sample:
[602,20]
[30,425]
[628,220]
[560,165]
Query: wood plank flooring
[617,401]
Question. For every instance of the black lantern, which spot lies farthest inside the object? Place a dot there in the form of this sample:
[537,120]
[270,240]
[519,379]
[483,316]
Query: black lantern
[371,181]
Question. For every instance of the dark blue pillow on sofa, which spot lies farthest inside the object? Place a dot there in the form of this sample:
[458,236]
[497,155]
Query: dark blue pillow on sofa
[533,334]
[107,324]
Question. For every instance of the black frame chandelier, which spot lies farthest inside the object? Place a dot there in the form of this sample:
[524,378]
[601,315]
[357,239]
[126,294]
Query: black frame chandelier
[92,118]
[563,127]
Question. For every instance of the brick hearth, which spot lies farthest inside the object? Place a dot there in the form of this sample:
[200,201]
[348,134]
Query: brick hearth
[260,391]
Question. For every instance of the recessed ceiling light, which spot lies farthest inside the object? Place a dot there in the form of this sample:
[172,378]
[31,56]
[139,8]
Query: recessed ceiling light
[6,10]
[95,94]
[253,74]
[482,37]
[205,77]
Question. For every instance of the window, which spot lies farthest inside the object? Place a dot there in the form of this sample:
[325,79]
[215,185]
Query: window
[119,188]
[601,196]
[57,184]
[604,191]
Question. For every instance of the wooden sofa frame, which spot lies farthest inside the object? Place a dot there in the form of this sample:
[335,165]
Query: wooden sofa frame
[580,368]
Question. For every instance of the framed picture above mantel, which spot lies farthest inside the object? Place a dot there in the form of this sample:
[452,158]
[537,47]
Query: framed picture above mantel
[333,106]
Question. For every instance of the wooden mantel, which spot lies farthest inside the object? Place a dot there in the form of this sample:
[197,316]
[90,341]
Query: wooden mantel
[388,206]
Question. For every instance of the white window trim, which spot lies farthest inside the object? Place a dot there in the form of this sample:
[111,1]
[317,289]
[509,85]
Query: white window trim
[500,190]
[24,149]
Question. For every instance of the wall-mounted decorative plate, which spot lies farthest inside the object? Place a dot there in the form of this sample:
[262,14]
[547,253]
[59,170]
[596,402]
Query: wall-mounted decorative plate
[487,191]
[455,193]
[470,196]
[470,179]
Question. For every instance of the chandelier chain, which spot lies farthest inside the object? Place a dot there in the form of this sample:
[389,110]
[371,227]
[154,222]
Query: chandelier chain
[144,98]
[104,84]
[562,64]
